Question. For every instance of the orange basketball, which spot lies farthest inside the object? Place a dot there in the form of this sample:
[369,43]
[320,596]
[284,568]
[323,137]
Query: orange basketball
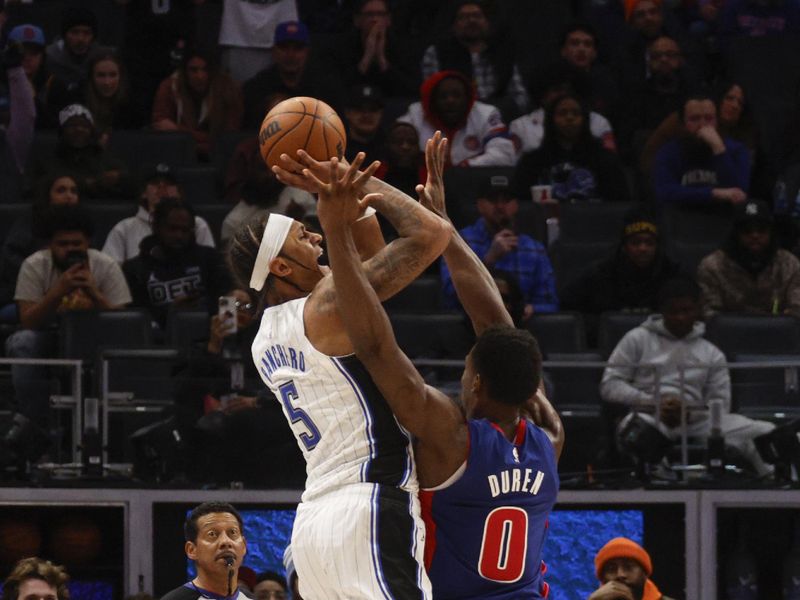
[301,122]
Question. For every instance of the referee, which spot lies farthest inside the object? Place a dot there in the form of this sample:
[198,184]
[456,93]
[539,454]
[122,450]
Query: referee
[215,542]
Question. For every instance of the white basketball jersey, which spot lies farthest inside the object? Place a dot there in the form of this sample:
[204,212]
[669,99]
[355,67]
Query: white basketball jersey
[342,423]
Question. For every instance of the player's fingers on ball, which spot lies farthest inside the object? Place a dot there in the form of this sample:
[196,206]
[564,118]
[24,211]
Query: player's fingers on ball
[322,187]
[289,163]
[306,159]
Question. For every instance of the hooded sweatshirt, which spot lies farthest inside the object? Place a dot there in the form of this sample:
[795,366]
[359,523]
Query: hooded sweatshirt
[481,139]
[625,382]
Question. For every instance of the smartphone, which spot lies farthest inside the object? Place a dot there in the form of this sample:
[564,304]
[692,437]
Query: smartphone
[227,314]
[76,257]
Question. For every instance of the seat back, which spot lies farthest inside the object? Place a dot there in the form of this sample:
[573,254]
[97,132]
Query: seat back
[105,214]
[766,392]
[571,258]
[575,388]
[83,333]
[9,213]
[612,327]
[223,147]
[142,149]
[422,295]
[753,334]
[689,254]
[185,328]
[595,222]
[562,332]
[697,225]
[200,184]
[433,336]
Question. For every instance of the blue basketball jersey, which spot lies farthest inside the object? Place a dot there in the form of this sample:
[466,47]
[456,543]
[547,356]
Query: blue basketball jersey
[486,530]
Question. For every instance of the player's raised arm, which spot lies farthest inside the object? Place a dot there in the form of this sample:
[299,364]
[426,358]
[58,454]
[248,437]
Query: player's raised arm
[541,412]
[475,287]
[422,234]
[425,412]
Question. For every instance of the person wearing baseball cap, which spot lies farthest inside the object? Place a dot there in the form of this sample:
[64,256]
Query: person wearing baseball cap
[497,241]
[624,568]
[749,273]
[157,184]
[295,71]
[363,116]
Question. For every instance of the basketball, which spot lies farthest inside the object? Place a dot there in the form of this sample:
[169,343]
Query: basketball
[301,122]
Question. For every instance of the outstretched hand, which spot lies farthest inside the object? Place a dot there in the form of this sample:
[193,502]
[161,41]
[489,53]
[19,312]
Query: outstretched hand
[431,195]
[339,206]
[290,170]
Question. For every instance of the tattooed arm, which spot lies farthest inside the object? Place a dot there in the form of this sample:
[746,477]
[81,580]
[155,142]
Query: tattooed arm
[423,237]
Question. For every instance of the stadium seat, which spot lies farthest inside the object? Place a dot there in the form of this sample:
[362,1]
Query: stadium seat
[433,336]
[83,333]
[772,392]
[571,258]
[696,225]
[576,389]
[105,214]
[689,254]
[612,327]
[200,184]
[562,332]
[223,147]
[421,296]
[9,213]
[754,334]
[185,328]
[531,221]
[143,150]
[592,222]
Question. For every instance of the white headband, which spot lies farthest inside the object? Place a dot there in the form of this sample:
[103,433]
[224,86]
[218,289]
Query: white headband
[275,235]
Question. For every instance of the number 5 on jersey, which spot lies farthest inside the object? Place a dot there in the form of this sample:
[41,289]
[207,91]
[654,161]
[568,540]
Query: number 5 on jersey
[311,436]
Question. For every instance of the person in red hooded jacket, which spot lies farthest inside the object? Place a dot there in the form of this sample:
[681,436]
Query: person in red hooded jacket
[478,137]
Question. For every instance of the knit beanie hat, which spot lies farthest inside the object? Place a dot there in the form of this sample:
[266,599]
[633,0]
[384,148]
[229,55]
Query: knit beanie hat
[638,220]
[630,5]
[77,15]
[621,547]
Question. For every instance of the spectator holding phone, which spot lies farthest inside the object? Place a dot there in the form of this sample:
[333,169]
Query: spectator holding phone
[66,275]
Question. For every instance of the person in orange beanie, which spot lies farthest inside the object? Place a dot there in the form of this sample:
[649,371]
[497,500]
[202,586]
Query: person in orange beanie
[624,568]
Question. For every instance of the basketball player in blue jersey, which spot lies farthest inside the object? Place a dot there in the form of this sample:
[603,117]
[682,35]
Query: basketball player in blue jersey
[491,472]
[358,533]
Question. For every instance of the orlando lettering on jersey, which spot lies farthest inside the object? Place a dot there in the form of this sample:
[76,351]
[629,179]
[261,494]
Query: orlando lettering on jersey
[277,356]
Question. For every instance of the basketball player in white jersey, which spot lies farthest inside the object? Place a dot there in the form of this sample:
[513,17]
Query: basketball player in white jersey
[493,471]
[358,532]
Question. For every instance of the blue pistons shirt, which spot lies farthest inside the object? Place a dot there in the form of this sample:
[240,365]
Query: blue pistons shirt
[486,529]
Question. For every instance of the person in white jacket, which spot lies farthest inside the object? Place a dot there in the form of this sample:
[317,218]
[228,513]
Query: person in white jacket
[478,137]
[124,238]
[666,362]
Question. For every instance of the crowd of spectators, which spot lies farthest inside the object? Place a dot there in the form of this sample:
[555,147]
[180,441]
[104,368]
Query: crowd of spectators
[643,102]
